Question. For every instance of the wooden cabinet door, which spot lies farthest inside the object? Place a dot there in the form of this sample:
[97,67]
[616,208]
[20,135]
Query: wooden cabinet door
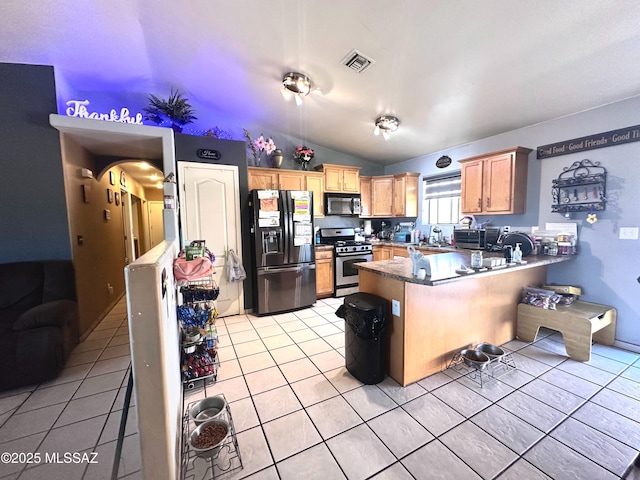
[324,273]
[399,189]
[495,183]
[291,180]
[351,180]
[382,196]
[472,187]
[382,252]
[498,183]
[262,179]
[400,252]
[365,196]
[315,183]
[332,179]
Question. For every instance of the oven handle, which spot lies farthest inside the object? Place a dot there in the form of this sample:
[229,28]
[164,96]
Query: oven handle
[354,254]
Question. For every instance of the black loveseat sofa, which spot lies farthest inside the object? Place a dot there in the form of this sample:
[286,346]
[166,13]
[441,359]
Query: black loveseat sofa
[38,320]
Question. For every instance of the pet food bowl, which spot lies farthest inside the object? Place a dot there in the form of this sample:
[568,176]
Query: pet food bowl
[213,445]
[475,359]
[209,408]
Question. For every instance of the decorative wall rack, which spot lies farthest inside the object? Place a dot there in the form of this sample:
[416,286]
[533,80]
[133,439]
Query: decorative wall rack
[580,188]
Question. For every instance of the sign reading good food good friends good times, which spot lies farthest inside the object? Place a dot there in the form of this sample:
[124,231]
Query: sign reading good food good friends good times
[600,140]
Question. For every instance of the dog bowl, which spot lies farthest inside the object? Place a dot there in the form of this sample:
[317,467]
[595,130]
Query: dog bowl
[490,350]
[207,439]
[475,359]
[207,409]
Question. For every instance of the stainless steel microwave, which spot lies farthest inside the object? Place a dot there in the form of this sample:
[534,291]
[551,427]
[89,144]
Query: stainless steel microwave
[341,204]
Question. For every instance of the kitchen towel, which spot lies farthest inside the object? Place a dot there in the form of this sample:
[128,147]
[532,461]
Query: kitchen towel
[237,272]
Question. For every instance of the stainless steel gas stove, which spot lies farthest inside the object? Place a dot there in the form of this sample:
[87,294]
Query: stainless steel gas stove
[348,252]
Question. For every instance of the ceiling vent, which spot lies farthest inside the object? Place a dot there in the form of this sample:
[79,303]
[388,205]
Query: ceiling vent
[357,62]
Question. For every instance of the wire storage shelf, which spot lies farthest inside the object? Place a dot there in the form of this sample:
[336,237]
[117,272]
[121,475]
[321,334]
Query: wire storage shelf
[582,187]
[221,465]
[484,373]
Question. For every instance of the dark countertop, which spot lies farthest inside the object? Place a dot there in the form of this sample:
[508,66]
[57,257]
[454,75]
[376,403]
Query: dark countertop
[443,267]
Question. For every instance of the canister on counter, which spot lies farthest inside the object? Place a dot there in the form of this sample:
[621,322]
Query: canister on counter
[476,259]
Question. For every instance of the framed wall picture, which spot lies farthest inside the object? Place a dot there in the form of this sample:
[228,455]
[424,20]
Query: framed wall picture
[112,177]
[109,195]
[117,198]
[123,179]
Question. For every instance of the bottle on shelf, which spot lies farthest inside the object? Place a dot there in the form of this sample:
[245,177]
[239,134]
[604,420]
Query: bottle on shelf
[517,254]
[212,336]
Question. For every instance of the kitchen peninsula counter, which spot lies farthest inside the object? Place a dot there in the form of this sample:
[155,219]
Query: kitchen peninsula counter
[442,314]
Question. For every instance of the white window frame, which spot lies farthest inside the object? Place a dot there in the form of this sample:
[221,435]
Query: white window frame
[443,207]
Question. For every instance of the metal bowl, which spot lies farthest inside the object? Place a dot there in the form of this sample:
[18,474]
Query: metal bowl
[490,350]
[207,409]
[475,359]
[211,450]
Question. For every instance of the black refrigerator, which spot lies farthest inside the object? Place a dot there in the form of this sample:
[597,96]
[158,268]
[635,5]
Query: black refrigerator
[282,241]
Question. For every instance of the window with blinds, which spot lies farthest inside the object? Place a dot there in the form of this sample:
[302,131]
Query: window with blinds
[441,199]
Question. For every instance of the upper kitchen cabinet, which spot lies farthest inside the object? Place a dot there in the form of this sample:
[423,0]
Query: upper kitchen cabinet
[389,195]
[275,179]
[365,196]
[382,196]
[338,178]
[405,194]
[495,183]
[263,178]
[314,181]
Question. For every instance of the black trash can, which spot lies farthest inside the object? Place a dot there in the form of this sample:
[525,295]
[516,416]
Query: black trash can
[365,329]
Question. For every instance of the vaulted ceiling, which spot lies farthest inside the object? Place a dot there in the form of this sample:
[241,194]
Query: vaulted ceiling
[452,71]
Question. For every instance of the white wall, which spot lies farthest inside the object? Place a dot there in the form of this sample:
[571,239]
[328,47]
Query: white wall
[607,268]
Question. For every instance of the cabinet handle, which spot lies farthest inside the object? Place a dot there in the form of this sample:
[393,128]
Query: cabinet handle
[488,202]
[479,203]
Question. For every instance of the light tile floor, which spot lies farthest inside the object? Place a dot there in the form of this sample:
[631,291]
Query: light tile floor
[78,412]
[300,415]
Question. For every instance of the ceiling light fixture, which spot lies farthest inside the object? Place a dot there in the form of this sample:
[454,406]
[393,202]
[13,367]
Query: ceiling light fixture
[296,84]
[386,124]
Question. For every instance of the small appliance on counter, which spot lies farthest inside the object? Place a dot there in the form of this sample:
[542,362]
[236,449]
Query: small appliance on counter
[514,239]
[476,238]
[404,234]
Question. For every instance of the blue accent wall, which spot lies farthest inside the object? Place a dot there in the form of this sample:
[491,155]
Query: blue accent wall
[606,267]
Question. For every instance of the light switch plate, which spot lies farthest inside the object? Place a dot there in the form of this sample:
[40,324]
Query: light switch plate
[395,307]
[628,233]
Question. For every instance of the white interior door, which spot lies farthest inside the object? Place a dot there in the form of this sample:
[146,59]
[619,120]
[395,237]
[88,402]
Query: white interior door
[210,211]
[156,231]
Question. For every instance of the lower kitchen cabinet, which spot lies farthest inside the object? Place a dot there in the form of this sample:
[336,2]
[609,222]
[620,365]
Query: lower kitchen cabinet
[382,252]
[400,252]
[324,272]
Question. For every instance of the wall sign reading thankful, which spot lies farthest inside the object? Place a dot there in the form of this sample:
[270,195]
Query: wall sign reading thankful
[600,140]
[78,108]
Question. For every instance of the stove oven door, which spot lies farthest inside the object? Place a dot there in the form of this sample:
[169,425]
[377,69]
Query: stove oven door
[346,272]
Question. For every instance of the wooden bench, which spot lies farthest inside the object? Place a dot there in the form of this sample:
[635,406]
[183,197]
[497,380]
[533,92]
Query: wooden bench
[580,323]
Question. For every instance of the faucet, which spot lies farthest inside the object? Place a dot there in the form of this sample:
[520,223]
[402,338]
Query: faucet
[437,230]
